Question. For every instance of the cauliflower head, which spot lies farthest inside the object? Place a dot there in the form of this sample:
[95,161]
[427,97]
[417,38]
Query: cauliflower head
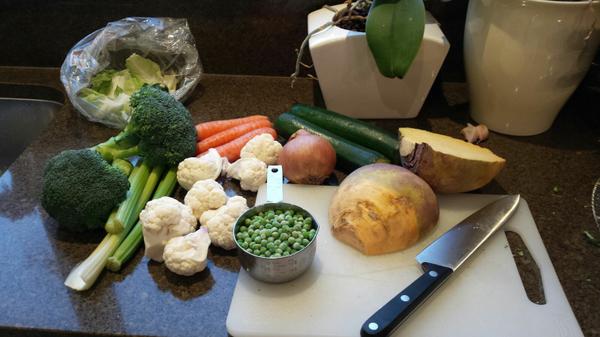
[193,169]
[262,147]
[220,222]
[251,173]
[204,195]
[187,255]
[162,219]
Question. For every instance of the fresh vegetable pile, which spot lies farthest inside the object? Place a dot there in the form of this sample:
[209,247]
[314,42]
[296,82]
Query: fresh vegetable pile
[124,184]
[85,189]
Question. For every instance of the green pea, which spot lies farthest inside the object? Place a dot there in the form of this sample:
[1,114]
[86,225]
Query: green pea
[305,242]
[276,255]
[306,235]
[285,228]
[275,234]
[291,241]
[263,249]
[270,239]
[243,228]
[244,245]
[247,222]
[247,239]
[297,246]
[263,235]
[283,246]
[284,236]
[296,234]
[307,226]
[277,242]
[249,250]
[267,253]
[268,226]
[263,242]
[285,253]
[278,251]
[257,239]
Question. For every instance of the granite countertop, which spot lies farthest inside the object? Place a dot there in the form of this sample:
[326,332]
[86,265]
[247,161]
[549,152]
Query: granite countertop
[554,172]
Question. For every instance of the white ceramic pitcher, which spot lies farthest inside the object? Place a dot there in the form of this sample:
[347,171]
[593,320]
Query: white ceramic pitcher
[524,58]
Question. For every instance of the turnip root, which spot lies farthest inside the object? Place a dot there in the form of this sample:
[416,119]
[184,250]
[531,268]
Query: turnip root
[447,164]
[382,208]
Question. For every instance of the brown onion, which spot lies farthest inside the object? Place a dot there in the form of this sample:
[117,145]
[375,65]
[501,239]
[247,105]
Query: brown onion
[307,158]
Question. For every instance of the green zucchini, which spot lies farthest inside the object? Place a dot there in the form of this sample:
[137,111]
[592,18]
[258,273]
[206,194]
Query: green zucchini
[350,156]
[351,129]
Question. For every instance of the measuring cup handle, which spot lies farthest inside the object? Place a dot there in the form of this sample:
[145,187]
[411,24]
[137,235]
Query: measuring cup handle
[274,183]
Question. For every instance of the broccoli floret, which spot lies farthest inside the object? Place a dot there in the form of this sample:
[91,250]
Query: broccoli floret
[80,189]
[160,130]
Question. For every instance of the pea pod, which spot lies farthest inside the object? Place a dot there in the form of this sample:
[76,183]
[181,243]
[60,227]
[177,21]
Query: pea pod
[394,32]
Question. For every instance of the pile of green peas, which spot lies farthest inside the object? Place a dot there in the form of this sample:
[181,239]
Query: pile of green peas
[276,233]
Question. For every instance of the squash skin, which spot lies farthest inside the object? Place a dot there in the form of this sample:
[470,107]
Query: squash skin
[447,173]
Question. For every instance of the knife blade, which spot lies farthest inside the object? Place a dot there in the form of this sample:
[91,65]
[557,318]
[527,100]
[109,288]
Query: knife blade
[439,260]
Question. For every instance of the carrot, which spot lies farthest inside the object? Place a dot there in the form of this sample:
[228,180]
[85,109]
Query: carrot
[207,129]
[232,149]
[230,134]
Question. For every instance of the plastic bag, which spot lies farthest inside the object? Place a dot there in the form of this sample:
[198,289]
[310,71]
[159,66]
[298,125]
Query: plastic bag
[166,41]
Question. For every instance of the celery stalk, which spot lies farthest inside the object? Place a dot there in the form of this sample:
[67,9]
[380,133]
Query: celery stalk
[133,240]
[127,209]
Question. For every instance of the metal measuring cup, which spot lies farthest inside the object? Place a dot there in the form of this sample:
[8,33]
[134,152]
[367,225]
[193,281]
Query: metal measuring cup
[278,269]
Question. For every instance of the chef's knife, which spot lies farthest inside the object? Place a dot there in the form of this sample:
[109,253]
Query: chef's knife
[439,260]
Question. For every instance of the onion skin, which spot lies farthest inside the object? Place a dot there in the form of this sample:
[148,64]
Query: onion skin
[307,158]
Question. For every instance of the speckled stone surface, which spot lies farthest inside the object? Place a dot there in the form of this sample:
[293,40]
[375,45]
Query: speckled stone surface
[554,172]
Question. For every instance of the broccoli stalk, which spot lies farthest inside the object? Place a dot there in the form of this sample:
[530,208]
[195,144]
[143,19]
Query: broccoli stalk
[134,239]
[83,276]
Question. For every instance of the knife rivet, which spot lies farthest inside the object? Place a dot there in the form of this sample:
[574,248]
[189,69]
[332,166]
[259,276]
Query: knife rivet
[404,298]
[373,326]
[433,273]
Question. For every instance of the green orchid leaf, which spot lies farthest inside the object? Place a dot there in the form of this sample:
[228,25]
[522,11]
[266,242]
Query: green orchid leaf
[394,34]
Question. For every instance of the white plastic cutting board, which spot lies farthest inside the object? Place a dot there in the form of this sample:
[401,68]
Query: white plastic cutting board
[343,287]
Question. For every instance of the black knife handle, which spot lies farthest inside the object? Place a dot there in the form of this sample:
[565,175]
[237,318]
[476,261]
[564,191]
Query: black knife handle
[385,320]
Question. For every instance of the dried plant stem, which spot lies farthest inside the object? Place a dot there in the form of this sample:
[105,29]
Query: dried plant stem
[323,28]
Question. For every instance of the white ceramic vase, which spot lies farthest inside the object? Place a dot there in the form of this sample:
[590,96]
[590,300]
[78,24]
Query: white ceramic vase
[524,58]
[350,81]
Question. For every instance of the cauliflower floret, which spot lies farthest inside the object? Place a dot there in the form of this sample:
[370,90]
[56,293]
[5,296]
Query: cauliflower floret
[208,166]
[251,173]
[204,195]
[262,147]
[186,255]
[162,219]
[220,222]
